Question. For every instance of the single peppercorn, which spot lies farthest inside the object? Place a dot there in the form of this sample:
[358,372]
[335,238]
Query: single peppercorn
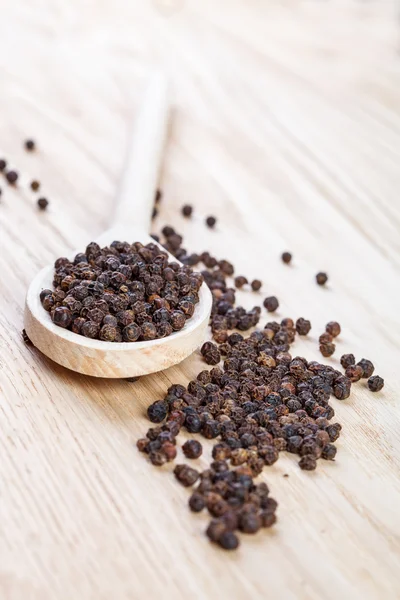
[42,203]
[228,540]
[35,185]
[187,210]
[210,222]
[61,316]
[186,475]
[240,281]
[197,502]
[3,164]
[321,278]
[375,383]
[303,326]
[307,463]
[286,257]
[329,452]
[333,328]
[327,349]
[347,360]
[192,449]
[215,530]
[354,373]
[250,522]
[12,177]
[271,303]
[30,145]
[157,411]
[256,285]
[367,368]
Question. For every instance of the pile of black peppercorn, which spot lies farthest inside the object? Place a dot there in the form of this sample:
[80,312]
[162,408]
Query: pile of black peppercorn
[122,293]
[259,402]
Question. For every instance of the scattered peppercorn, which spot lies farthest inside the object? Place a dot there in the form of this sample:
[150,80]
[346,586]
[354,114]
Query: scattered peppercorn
[157,411]
[158,196]
[3,164]
[186,475]
[154,213]
[197,502]
[367,368]
[307,463]
[228,540]
[321,278]
[192,449]
[240,281]
[35,185]
[11,177]
[286,257]
[256,285]
[327,349]
[347,360]
[271,303]
[303,326]
[333,328]
[375,383]
[329,452]
[30,145]
[210,222]
[187,210]
[354,373]
[42,203]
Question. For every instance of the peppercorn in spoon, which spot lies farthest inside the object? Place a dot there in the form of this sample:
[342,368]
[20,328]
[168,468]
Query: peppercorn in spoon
[131,224]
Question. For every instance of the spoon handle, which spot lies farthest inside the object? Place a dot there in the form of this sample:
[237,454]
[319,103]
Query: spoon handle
[136,195]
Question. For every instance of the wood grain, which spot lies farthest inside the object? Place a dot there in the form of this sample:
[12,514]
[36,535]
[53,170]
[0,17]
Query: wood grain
[286,127]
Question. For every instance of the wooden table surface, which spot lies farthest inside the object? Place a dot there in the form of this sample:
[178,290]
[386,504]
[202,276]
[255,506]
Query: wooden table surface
[286,126]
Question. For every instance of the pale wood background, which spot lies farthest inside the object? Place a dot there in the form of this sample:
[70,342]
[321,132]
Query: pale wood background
[287,127]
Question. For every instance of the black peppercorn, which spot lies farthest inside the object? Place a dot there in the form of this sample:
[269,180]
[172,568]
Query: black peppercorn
[211,221]
[347,359]
[375,383]
[333,328]
[61,316]
[42,203]
[354,373]
[367,368]
[197,502]
[240,281]
[228,540]
[30,145]
[307,463]
[157,411]
[327,349]
[321,278]
[35,185]
[187,210]
[192,449]
[11,177]
[3,164]
[186,475]
[329,452]
[286,257]
[256,285]
[303,326]
[271,303]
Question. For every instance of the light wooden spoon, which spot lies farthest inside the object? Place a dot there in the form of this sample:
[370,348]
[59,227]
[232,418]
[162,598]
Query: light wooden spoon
[131,223]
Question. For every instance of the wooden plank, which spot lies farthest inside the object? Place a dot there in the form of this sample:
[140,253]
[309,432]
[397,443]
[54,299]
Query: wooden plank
[286,128]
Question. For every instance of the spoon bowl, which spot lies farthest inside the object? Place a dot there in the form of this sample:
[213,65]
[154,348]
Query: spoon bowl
[135,204]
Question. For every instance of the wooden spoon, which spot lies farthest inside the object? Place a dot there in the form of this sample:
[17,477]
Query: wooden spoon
[131,223]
